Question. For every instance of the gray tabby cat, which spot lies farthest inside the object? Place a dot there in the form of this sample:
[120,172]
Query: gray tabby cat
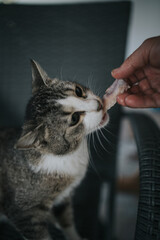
[50,158]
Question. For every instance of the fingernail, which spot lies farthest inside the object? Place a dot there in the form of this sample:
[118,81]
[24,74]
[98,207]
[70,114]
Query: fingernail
[114,71]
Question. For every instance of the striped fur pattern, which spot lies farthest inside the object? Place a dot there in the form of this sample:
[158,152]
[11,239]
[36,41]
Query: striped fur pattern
[41,166]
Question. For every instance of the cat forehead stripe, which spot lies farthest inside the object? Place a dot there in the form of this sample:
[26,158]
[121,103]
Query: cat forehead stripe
[78,104]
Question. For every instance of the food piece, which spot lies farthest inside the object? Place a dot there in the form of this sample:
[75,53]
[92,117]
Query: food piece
[119,86]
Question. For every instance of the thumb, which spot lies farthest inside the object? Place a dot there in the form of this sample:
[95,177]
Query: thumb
[135,61]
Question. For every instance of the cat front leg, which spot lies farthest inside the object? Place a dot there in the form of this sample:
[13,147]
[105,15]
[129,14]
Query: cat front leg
[33,224]
[64,215]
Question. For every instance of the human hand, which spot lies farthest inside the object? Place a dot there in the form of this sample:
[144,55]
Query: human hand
[141,70]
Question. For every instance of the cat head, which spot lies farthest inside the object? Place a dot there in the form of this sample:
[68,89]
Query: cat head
[59,114]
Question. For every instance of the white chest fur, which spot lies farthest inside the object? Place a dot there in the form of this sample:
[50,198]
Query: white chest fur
[73,164]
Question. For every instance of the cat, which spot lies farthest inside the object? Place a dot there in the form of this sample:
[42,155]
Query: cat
[41,167]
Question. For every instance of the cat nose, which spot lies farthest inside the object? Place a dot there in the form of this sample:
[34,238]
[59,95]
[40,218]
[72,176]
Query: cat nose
[99,105]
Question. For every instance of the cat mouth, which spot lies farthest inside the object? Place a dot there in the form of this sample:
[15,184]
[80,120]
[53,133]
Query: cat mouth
[104,120]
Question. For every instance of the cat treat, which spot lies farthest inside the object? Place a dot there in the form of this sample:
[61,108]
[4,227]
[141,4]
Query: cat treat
[119,86]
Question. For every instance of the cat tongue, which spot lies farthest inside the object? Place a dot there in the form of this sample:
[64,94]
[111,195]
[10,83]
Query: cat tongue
[119,86]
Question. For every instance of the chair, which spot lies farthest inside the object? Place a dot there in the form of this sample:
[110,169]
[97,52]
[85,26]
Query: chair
[147,136]
[83,42]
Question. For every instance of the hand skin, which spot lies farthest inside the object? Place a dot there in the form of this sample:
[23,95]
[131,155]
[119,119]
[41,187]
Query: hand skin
[141,70]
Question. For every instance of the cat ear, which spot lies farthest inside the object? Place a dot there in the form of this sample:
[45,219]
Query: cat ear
[39,76]
[30,140]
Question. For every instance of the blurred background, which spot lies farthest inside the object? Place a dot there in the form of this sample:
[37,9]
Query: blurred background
[144,23]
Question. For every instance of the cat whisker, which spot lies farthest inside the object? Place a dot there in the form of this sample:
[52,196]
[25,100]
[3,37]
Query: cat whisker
[74,77]
[111,124]
[99,91]
[107,140]
[88,84]
[109,152]
[89,145]
[100,141]
[94,145]
[61,73]
[90,157]
[92,84]
[107,130]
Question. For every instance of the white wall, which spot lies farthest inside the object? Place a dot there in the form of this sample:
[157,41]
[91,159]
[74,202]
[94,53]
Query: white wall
[145,23]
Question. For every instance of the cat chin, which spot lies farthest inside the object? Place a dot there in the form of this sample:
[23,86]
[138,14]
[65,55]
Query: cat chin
[104,121]
[91,121]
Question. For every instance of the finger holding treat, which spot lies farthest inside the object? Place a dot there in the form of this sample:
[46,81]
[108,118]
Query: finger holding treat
[118,87]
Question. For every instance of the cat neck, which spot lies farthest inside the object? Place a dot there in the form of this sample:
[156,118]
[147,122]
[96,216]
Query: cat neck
[72,164]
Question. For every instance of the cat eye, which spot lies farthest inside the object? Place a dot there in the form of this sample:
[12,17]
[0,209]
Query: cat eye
[78,91]
[75,118]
